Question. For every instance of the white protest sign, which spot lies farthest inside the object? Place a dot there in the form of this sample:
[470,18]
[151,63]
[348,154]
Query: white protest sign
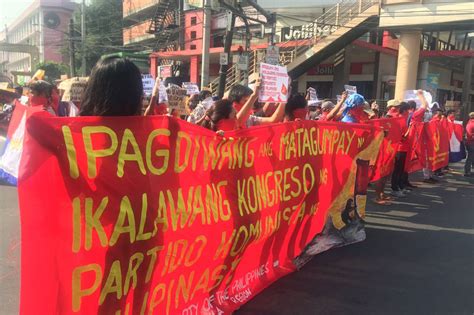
[243,63]
[350,89]
[312,94]
[148,83]
[191,88]
[176,98]
[162,94]
[411,95]
[275,83]
[272,55]
[224,59]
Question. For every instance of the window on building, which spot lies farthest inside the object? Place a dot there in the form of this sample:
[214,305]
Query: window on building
[193,34]
[192,47]
[193,20]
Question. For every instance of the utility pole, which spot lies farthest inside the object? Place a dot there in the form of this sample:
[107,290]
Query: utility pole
[72,51]
[227,47]
[83,38]
[206,43]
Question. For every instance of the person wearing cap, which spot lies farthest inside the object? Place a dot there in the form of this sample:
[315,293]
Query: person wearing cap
[331,111]
[469,145]
[354,111]
[393,108]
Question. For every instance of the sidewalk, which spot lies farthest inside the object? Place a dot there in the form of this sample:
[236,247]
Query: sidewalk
[418,258]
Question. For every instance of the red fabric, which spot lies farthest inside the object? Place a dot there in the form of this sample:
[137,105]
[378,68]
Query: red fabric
[416,157]
[227,124]
[38,101]
[160,109]
[300,113]
[386,156]
[238,107]
[418,115]
[198,222]
[437,143]
[404,143]
[470,132]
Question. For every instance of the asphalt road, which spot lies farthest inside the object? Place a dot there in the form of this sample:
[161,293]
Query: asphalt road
[418,259]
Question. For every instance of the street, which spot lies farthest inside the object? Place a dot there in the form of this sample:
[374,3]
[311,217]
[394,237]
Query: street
[418,258]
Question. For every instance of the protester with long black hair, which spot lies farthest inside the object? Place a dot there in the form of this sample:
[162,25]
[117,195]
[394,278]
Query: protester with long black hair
[114,88]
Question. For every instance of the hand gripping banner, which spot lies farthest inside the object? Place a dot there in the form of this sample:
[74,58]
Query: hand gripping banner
[151,215]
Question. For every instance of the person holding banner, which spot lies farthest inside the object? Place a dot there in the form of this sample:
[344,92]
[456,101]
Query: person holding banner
[41,94]
[469,145]
[114,88]
[296,108]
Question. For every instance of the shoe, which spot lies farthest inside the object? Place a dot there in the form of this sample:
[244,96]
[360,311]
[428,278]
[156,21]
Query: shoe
[430,180]
[467,175]
[410,185]
[439,174]
[398,193]
[406,191]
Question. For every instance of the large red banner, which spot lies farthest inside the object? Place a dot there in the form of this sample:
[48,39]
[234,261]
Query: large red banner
[392,130]
[437,135]
[135,215]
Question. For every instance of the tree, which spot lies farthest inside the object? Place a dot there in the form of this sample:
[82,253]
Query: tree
[103,30]
[53,70]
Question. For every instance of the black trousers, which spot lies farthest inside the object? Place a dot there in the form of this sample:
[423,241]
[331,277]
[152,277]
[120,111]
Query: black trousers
[398,177]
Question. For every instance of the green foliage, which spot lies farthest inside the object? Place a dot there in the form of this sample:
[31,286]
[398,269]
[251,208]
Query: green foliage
[53,70]
[103,30]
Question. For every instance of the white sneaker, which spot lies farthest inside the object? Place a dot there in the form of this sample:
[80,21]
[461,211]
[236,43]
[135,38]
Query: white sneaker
[398,193]
[406,191]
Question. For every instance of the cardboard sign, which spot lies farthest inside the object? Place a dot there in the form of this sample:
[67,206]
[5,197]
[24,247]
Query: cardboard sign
[176,97]
[162,94]
[191,88]
[411,95]
[275,82]
[272,56]
[243,63]
[148,83]
[350,89]
[165,72]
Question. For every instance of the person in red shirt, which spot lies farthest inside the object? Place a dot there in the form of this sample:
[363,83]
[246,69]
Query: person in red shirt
[469,145]
[398,180]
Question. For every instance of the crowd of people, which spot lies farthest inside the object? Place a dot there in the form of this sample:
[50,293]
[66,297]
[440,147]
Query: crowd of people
[115,89]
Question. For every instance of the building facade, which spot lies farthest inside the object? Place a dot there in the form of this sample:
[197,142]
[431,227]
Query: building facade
[37,35]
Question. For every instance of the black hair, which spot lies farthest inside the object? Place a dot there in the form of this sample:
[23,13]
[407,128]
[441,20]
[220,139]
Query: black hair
[218,111]
[193,101]
[19,89]
[237,92]
[404,106]
[450,111]
[411,104]
[41,87]
[204,94]
[296,101]
[115,88]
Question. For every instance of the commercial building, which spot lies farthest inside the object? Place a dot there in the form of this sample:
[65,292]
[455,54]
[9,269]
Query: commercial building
[366,43]
[37,35]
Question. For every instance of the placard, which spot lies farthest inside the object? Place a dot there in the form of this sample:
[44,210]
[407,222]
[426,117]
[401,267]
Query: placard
[273,55]
[224,59]
[191,88]
[350,89]
[148,83]
[275,83]
[176,97]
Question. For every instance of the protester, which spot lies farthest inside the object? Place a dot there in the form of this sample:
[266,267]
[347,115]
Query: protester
[354,109]
[469,145]
[204,103]
[398,182]
[331,111]
[41,94]
[114,88]
[296,108]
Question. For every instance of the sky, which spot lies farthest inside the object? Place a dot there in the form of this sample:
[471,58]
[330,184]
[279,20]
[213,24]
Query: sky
[11,9]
